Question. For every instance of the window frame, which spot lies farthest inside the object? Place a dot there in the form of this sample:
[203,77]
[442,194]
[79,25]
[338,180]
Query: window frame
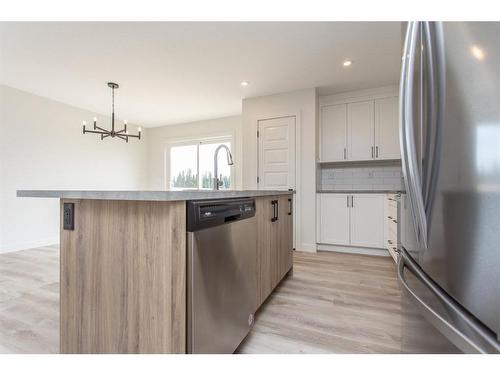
[191,141]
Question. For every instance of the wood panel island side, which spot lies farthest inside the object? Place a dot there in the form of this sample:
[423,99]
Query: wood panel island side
[123,265]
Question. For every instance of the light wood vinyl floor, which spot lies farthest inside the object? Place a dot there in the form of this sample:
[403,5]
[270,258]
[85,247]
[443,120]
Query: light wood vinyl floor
[332,303]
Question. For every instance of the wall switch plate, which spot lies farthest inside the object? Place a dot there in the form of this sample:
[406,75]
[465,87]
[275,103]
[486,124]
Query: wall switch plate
[69,216]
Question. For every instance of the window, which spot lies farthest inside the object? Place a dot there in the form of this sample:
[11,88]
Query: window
[192,163]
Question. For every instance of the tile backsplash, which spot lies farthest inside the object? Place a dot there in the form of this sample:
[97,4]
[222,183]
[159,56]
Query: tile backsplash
[362,177]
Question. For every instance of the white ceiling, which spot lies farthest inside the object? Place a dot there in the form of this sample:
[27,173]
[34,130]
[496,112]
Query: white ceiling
[179,72]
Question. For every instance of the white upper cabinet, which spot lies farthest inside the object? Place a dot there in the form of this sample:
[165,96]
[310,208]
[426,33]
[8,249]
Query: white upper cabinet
[387,129]
[360,123]
[334,132]
[360,126]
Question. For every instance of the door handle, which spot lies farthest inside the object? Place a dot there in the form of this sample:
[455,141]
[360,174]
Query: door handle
[453,333]
[277,210]
[409,162]
[372,153]
[273,204]
[376,151]
[432,34]
[352,201]
[289,206]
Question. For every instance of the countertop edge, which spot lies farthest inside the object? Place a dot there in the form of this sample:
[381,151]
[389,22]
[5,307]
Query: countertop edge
[146,195]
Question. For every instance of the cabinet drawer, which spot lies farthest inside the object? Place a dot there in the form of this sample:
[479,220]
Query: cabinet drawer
[392,205]
[393,251]
[392,229]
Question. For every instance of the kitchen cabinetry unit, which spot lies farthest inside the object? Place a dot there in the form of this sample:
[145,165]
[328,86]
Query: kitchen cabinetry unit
[334,219]
[334,132]
[285,224]
[367,224]
[127,284]
[360,122]
[359,128]
[391,214]
[274,241]
[387,128]
[351,219]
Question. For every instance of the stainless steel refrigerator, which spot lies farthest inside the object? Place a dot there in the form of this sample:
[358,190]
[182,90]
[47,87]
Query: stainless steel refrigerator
[449,262]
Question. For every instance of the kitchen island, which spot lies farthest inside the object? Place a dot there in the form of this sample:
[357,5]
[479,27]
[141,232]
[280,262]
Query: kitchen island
[123,264]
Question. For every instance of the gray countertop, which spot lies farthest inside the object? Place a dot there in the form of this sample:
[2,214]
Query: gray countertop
[360,191]
[147,195]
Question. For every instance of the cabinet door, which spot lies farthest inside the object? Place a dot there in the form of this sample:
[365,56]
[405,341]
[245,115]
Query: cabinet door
[367,220]
[361,133]
[334,132]
[285,224]
[387,129]
[267,247]
[334,219]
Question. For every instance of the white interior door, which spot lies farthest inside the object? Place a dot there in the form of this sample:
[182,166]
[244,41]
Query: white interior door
[334,219]
[387,128]
[276,164]
[334,132]
[367,220]
[360,123]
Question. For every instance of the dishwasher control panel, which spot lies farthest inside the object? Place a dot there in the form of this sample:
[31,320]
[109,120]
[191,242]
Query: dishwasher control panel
[205,214]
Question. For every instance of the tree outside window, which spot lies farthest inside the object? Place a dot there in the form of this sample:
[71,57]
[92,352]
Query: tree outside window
[191,165]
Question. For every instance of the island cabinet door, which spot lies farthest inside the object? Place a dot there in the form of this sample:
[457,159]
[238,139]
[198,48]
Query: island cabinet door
[285,223]
[267,245]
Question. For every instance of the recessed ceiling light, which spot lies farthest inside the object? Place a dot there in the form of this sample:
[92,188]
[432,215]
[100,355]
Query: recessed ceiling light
[244,83]
[347,63]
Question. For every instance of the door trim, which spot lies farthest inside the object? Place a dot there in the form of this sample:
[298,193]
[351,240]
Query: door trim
[297,222]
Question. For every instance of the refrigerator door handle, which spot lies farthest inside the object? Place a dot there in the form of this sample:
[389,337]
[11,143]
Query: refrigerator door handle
[403,113]
[457,337]
[433,36]
[410,164]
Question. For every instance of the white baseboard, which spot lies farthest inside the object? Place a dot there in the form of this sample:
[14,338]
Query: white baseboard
[307,247]
[10,247]
[354,250]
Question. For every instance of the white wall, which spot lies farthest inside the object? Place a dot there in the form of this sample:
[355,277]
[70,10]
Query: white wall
[303,104]
[42,147]
[158,138]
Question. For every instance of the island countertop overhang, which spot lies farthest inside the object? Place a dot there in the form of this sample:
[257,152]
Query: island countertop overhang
[149,195]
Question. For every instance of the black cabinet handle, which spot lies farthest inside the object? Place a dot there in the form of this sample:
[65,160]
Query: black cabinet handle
[289,206]
[277,210]
[273,219]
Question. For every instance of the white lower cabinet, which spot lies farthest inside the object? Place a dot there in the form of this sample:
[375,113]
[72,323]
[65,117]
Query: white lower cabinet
[367,220]
[351,219]
[334,219]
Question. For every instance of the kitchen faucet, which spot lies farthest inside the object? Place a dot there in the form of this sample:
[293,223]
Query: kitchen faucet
[218,181]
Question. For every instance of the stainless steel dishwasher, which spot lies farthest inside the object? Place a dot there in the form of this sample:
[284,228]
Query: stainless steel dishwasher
[221,274]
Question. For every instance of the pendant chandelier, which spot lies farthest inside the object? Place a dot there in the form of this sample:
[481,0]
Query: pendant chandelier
[123,133]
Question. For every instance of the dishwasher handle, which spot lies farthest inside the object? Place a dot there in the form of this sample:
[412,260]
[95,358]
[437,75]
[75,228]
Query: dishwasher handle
[230,218]
[205,214]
